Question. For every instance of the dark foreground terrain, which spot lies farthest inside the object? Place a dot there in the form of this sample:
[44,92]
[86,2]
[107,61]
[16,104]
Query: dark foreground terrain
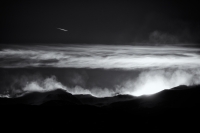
[59,111]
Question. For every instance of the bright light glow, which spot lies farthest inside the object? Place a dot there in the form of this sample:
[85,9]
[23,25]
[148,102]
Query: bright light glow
[150,87]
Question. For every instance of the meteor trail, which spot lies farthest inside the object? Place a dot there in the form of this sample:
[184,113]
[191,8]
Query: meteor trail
[62,29]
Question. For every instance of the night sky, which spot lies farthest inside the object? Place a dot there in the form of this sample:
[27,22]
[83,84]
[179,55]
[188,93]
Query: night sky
[107,22]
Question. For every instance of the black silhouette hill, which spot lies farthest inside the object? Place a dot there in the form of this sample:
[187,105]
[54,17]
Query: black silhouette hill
[40,98]
[177,97]
[103,101]
[176,108]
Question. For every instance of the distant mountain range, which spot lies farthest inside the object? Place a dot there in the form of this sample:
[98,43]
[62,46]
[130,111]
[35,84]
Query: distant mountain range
[176,108]
[177,97]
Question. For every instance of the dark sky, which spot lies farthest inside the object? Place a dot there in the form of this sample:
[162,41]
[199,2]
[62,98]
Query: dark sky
[95,21]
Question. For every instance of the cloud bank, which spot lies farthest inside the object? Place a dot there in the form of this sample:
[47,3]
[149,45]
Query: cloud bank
[100,56]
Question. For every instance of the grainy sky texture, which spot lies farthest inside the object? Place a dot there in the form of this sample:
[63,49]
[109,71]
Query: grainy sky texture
[99,21]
